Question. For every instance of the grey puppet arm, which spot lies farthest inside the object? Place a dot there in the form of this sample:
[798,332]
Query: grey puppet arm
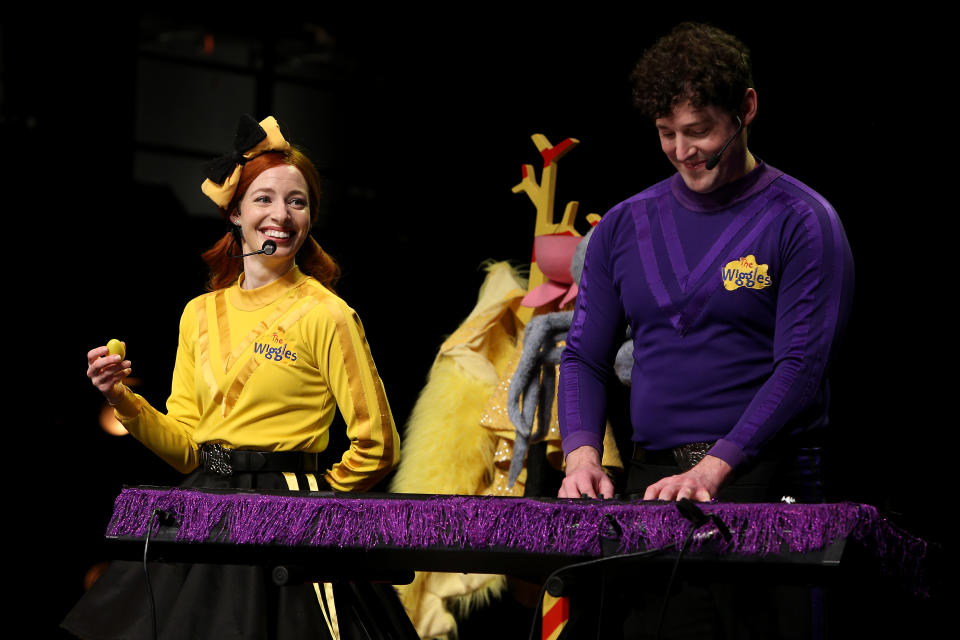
[540,349]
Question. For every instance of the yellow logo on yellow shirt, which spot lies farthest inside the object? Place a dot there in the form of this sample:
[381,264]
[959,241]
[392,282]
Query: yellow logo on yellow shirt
[275,349]
[745,272]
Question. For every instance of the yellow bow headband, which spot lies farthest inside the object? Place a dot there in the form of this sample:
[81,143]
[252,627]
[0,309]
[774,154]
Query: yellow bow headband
[251,140]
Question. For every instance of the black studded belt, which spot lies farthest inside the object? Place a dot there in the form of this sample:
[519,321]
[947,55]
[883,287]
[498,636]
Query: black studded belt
[222,461]
[685,456]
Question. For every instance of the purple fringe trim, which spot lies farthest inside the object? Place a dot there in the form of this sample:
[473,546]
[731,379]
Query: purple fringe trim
[524,524]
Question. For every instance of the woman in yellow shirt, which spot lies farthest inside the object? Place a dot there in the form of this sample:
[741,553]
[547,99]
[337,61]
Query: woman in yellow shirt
[263,362]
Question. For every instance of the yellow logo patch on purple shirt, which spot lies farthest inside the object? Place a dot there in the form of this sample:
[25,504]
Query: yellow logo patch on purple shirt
[745,272]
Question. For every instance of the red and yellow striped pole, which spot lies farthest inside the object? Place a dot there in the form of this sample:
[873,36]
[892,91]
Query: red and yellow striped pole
[556,612]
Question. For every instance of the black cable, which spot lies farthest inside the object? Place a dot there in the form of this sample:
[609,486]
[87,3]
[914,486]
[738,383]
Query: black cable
[697,518]
[146,571]
[538,611]
[689,511]
[603,591]
[673,575]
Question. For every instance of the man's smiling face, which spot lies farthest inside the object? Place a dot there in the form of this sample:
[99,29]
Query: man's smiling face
[690,137]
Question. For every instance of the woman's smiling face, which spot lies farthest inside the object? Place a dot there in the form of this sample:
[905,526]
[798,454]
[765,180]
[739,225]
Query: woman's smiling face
[275,207]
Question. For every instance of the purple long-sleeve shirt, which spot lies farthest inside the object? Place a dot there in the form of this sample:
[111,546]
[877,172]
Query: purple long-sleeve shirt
[734,299]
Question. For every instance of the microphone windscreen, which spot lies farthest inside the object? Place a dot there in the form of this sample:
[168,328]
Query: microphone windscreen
[712,162]
[269,247]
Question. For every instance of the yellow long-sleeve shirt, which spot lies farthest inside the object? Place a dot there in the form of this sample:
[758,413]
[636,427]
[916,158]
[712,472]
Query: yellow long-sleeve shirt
[266,369]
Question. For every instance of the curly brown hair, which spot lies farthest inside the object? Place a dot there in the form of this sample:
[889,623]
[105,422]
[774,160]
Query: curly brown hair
[695,62]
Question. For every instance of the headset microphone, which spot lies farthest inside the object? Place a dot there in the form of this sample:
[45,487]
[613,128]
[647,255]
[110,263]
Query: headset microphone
[269,248]
[715,158]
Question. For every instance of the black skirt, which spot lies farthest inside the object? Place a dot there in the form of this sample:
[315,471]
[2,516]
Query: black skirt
[228,601]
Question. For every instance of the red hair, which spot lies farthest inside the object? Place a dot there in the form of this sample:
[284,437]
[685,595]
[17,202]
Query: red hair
[311,259]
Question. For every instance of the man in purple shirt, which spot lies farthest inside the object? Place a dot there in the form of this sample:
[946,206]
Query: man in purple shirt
[735,282]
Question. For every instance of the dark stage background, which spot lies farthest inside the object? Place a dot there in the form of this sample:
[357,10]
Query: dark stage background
[420,130]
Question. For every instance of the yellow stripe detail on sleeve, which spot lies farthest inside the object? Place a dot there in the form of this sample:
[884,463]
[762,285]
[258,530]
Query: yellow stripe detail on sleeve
[223,327]
[203,344]
[383,407]
[371,430]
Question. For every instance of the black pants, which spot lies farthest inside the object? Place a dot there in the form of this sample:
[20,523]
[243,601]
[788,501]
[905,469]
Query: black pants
[714,606]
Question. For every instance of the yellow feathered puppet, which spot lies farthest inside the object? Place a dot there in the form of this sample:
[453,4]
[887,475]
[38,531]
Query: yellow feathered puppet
[459,438]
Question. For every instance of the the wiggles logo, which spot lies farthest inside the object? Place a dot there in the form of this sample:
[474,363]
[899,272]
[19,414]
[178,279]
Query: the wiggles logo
[278,351]
[745,272]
